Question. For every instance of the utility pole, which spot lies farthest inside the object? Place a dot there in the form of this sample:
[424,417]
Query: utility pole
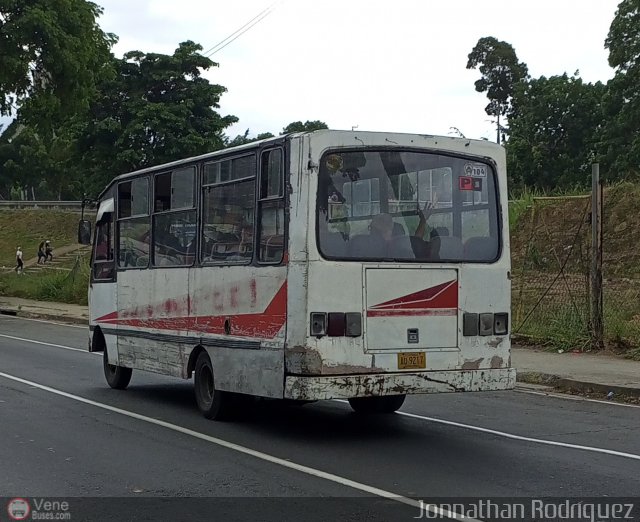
[597,326]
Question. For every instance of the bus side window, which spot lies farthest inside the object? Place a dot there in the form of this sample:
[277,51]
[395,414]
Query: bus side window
[272,220]
[228,209]
[134,227]
[174,218]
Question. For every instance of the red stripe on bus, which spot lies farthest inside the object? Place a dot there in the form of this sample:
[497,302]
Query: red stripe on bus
[113,316]
[441,296]
[264,325]
[420,312]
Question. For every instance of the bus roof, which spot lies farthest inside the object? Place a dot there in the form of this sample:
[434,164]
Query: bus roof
[279,139]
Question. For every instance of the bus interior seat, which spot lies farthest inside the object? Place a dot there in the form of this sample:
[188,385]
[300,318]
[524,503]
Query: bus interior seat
[365,245]
[401,248]
[334,244]
[398,230]
[450,248]
[480,248]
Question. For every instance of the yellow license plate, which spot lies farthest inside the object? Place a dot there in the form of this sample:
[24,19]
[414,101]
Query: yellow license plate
[412,360]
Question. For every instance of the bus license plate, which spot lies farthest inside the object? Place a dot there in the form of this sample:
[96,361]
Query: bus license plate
[412,360]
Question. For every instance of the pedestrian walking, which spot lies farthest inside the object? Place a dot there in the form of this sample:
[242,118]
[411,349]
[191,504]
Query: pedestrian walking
[41,255]
[48,251]
[19,261]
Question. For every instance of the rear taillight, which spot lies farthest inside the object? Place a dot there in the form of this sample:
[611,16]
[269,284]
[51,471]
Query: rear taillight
[500,324]
[336,324]
[318,324]
[354,324]
[485,324]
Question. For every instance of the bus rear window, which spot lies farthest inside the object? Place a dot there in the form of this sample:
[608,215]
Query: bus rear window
[392,205]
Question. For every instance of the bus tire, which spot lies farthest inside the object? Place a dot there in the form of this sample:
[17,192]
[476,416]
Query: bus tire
[213,404]
[118,377]
[386,404]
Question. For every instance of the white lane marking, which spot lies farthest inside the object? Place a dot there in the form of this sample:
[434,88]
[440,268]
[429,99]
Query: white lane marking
[516,437]
[254,453]
[531,392]
[569,397]
[6,316]
[431,419]
[520,437]
[47,344]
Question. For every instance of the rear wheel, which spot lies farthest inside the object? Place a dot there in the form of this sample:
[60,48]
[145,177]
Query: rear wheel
[387,404]
[214,404]
[118,377]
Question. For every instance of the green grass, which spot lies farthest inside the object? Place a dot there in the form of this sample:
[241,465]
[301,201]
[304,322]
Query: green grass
[27,228]
[519,207]
[49,285]
[558,325]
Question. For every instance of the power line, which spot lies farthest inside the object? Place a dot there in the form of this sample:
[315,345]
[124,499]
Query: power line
[241,30]
[212,49]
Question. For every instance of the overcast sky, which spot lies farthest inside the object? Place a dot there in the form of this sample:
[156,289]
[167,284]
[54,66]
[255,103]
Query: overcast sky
[392,65]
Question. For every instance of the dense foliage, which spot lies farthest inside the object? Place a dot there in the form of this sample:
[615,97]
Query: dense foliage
[559,126]
[82,116]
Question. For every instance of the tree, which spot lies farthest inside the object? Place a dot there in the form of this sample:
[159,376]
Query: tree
[620,143]
[50,48]
[38,166]
[501,72]
[554,131]
[243,139]
[307,126]
[157,108]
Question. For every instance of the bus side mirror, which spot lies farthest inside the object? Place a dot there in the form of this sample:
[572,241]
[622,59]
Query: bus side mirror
[84,232]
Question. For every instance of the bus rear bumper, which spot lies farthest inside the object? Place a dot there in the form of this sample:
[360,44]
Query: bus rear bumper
[311,388]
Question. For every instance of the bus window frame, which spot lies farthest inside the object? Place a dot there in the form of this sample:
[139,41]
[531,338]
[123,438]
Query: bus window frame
[456,200]
[203,186]
[154,213]
[270,200]
[148,215]
[112,261]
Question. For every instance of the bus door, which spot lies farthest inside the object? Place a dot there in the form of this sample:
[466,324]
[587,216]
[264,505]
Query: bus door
[102,295]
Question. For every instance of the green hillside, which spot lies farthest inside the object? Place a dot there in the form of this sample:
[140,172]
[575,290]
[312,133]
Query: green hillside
[26,228]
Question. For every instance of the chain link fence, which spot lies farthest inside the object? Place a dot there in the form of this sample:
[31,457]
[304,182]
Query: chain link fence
[551,263]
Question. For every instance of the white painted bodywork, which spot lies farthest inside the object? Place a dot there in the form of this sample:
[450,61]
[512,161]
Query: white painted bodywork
[187,306]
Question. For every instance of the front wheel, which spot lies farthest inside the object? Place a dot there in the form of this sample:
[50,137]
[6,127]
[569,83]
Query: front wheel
[212,403]
[386,404]
[118,377]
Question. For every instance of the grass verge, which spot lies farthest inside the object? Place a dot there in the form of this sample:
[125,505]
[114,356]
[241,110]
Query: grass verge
[48,285]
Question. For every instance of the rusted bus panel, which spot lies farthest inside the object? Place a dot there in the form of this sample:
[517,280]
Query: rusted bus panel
[482,288]
[166,358]
[111,342]
[344,387]
[301,227]
[297,328]
[253,372]
[252,301]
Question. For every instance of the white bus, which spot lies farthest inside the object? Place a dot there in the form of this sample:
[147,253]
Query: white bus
[357,265]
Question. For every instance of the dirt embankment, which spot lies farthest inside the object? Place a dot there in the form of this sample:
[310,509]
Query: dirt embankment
[551,230]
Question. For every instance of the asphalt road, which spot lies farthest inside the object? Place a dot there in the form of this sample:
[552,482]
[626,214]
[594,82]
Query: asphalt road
[66,434]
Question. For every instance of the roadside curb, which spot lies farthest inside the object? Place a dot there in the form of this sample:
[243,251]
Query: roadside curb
[46,317]
[574,385]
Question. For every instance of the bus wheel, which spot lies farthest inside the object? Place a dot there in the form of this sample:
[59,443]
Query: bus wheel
[214,404]
[118,377]
[386,404]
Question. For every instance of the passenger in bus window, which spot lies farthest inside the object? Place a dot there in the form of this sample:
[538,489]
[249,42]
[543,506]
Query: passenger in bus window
[168,246]
[383,242]
[422,248]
